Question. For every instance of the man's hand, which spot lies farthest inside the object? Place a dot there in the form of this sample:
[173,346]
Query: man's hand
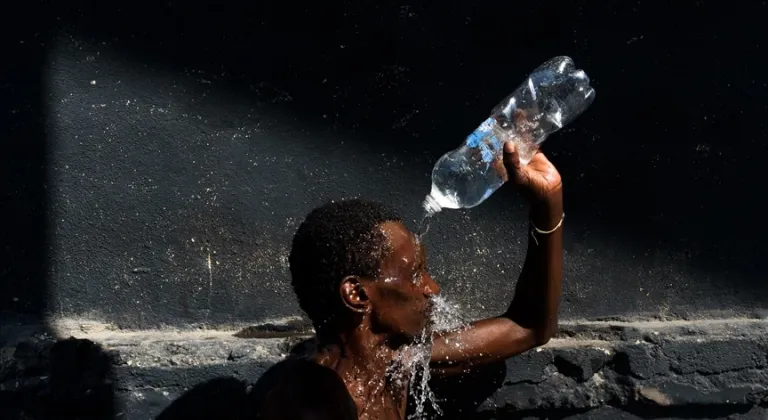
[538,181]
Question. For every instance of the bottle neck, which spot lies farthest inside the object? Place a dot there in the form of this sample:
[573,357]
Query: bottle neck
[430,205]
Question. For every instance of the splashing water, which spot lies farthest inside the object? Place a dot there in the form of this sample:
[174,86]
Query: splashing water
[412,370]
[447,316]
[412,364]
[419,383]
[423,226]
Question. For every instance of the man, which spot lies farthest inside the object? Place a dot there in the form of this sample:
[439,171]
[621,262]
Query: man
[362,279]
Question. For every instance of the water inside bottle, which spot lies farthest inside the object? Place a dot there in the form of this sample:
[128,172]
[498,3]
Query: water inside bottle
[465,177]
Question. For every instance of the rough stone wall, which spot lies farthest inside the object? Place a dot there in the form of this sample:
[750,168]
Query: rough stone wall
[682,370]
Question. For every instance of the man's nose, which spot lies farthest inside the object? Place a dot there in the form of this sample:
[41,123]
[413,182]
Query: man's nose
[431,287]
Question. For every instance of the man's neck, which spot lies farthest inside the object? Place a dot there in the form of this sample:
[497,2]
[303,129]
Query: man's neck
[361,358]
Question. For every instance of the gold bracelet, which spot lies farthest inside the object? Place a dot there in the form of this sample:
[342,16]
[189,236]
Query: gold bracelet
[535,230]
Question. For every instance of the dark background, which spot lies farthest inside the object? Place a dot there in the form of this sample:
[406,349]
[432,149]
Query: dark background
[158,156]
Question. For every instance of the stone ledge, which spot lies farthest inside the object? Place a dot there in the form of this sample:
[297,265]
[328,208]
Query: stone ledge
[711,367]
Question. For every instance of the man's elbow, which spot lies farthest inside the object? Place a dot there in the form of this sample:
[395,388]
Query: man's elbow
[539,331]
[538,340]
[541,339]
[542,336]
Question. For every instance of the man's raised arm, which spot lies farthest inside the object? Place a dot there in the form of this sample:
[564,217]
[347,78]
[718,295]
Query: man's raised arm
[531,319]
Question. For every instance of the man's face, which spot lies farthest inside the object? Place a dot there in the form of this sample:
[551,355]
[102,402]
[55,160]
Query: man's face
[400,297]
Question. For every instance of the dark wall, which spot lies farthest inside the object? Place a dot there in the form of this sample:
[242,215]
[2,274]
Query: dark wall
[160,157]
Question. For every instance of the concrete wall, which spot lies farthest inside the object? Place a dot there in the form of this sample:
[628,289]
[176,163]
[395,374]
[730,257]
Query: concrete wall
[160,157]
[178,148]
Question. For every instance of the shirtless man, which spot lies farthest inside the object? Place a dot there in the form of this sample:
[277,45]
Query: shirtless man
[362,279]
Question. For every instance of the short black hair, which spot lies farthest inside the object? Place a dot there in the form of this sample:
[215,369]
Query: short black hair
[336,240]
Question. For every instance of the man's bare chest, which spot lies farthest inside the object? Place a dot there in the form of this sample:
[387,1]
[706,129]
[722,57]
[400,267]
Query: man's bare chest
[389,405]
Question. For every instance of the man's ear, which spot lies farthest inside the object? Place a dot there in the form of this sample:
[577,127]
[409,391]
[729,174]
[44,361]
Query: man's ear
[353,294]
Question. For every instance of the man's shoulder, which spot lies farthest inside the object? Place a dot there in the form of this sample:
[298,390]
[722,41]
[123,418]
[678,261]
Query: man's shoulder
[296,387]
[298,371]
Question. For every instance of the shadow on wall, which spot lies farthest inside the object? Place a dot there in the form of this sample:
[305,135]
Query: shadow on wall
[68,379]
[219,398]
[24,200]
[40,378]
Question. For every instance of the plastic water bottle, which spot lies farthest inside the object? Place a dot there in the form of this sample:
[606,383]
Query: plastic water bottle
[553,95]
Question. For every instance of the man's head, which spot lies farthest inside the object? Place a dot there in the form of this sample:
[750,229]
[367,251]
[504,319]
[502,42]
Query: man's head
[354,260]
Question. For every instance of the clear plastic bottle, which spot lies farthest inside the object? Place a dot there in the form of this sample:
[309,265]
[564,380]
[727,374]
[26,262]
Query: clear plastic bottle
[553,95]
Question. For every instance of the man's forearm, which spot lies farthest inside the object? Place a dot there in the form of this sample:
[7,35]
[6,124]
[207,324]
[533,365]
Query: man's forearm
[536,302]
[531,319]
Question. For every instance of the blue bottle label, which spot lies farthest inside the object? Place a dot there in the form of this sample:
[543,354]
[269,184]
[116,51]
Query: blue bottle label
[484,140]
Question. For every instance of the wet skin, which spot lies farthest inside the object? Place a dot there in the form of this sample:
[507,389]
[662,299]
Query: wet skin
[391,310]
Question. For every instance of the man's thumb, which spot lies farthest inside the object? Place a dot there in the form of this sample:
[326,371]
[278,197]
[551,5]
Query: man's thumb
[511,157]
[515,170]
